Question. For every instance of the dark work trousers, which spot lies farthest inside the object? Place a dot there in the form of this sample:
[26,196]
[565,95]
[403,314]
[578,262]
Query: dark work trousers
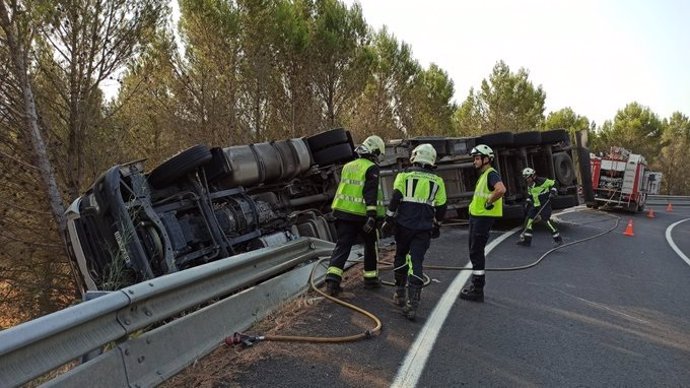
[416,243]
[478,237]
[347,237]
[545,213]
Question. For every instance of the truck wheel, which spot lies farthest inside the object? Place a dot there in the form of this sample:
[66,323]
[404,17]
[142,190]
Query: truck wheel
[563,167]
[179,165]
[334,154]
[326,139]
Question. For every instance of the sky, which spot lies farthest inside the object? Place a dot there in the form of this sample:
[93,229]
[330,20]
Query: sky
[592,56]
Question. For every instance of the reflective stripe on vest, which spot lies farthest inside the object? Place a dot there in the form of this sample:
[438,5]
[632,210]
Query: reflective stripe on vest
[481,194]
[349,197]
[421,187]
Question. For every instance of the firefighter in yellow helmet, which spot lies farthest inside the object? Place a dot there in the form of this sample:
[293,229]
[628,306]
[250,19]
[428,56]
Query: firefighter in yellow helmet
[417,208]
[540,192]
[357,205]
[486,206]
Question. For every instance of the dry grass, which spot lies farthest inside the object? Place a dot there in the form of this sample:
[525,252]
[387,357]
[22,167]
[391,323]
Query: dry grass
[221,366]
[225,362]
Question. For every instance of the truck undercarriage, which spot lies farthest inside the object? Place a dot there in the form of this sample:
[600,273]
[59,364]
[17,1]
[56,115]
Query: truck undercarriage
[207,204]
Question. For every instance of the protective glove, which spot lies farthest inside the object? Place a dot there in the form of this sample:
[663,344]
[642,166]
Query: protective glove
[370,225]
[388,225]
[552,193]
[488,206]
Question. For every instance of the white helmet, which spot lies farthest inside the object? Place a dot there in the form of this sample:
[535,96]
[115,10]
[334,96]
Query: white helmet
[372,145]
[484,150]
[424,154]
[528,172]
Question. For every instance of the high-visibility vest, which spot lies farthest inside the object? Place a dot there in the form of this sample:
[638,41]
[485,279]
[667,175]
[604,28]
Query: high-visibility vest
[535,191]
[481,195]
[349,197]
[421,187]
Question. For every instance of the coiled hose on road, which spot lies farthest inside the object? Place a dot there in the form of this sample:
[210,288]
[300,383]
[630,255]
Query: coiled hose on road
[249,340]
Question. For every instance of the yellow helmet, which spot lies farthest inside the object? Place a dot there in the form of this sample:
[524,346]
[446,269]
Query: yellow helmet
[372,145]
[424,154]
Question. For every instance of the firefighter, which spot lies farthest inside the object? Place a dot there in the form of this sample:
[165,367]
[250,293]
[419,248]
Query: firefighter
[540,192]
[486,206]
[357,205]
[416,209]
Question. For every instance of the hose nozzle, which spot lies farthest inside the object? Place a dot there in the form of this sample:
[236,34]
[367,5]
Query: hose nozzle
[242,339]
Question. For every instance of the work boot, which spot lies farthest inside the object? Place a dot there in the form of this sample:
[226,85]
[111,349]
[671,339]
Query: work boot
[333,287]
[414,293]
[400,283]
[372,283]
[399,296]
[475,291]
[472,293]
[558,240]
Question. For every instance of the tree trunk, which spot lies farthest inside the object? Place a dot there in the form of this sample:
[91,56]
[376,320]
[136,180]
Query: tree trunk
[19,60]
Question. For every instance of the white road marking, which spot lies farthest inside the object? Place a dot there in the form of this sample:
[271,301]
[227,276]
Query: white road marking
[411,369]
[672,244]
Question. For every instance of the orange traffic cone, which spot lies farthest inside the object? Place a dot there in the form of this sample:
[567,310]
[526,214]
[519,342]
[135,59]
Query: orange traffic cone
[650,213]
[629,229]
[669,208]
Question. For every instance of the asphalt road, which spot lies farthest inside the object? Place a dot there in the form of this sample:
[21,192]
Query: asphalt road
[611,311]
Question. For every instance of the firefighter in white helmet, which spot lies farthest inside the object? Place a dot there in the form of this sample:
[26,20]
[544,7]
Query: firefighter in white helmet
[486,206]
[357,205]
[416,209]
[540,192]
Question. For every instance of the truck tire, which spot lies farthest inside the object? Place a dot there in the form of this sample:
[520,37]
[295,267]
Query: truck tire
[496,139]
[555,136]
[563,168]
[527,138]
[327,138]
[179,165]
[335,154]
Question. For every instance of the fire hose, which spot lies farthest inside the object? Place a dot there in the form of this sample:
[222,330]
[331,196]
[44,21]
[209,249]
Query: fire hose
[248,340]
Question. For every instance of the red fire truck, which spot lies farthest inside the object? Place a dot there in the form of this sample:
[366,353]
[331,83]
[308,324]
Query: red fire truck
[620,179]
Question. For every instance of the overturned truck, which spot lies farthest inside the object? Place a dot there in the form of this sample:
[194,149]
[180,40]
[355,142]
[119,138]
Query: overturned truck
[205,204]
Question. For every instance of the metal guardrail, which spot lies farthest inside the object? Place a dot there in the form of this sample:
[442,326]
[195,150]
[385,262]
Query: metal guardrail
[674,200]
[146,358]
